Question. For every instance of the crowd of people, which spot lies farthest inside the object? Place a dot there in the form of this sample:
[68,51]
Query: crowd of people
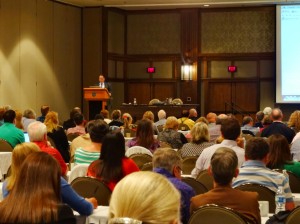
[232,153]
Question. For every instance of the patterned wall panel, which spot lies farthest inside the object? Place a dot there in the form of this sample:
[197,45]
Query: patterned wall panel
[238,31]
[116,31]
[153,33]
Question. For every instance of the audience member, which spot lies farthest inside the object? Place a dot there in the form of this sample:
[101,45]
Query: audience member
[112,165]
[294,121]
[167,163]
[193,115]
[127,120]
[2,110]
[37,133]
[254,170]
[57,134]
[266,122]
[149,115]
[116,119]
[161,114]
[223,168]
[185,119]
[70,122]
[278,127]
[267,111]
[28,117]
[37,187]
[247,127]
[90,153]
[44,110]
[105,115]
[214,129]
[259,118]
[200,141]
[171,135]
[79,128]
[280,155]
[128,203]
[8,131]
[144,136]
[230,130]
[18,121]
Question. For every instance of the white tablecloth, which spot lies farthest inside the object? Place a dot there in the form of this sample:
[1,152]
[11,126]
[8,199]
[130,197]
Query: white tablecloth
[5,161]
[99,216]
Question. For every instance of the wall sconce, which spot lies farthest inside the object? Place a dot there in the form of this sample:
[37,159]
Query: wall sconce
[186,72]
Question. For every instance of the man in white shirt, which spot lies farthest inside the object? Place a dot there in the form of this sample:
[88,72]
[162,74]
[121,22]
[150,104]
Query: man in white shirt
[230,131]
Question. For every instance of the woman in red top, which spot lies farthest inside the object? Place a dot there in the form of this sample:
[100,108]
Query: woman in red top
[112,165]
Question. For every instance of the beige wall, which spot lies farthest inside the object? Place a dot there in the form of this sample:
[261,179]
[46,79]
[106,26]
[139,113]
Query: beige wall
[40,55]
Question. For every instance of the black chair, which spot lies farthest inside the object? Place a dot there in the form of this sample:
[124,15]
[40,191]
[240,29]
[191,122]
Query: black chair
[293,217]
[214,214]
[198,187]
[264,193]
[205,179]
[90,187]
[5,146]
[188,164]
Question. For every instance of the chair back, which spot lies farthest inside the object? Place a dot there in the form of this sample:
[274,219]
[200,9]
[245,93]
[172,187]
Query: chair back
[205,179]
[51,141]
[141,159]
[80,170]
[198,187]
[5,146]
[264,193]
[72,136]
[183,127]
[188,164]
[138,150]
[293,217]
[210,214]
[294,180]
[91,187]
[147,167]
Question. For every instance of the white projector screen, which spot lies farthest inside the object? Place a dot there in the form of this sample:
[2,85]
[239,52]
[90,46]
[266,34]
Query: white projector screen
[288,54]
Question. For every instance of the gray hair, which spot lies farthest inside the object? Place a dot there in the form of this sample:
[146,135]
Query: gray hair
[166,158]
[36,131]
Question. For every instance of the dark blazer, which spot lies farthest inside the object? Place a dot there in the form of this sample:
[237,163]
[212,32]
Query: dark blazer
[107,86]
[279,128]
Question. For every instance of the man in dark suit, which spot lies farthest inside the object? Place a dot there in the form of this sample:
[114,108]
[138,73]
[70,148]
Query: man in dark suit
[103,84]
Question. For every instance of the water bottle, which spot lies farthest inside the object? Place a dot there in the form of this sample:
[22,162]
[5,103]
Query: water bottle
[280,200]
[134,101]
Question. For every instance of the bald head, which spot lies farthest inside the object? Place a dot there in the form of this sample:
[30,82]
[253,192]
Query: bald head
[277,114]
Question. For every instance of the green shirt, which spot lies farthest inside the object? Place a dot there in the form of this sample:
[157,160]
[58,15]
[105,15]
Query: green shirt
[11,134]
[293,167]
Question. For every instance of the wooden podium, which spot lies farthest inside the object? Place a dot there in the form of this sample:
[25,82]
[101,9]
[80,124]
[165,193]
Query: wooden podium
[97,98]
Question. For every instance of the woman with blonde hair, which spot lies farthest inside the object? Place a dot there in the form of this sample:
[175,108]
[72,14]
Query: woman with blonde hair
[18,122]
[200,141]
[57,134]
[128,201]
[171,135]
[294,121]
[19,154]
[35,197]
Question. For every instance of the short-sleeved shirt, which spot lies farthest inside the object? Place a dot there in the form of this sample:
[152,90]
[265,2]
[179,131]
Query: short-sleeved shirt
[10,133]
[82,156]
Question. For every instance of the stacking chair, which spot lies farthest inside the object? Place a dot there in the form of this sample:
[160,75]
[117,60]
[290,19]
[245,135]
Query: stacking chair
[80,170]
[211,214]
[5,146]
[198,187]
[293,217]
[91,187]
[138,150]
[72,136]
[147,166]
[141,159]
[205,179]
[264,193]
[188,164]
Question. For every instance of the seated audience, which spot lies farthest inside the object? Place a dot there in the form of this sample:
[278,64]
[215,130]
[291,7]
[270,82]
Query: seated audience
[230,130]
[214,129]
[161,114]
[247,127]
[149,115]
[8,131]
[112,165]
[280,155]
[35,197]
[200,140]
[278,127]
[193,115]
[223,168]
[259,118]
[128,127]
[116,119]
[37,133]
[267,111]
[294,121]
[57,134]
[44,110]
[28,117]
[146,197]
[144,136]
[266,122]
[18,121]
[171,135]
[91,152]
[70,122]
[185,119]
[79,128]
[254,170]
[167,163]
[105,115]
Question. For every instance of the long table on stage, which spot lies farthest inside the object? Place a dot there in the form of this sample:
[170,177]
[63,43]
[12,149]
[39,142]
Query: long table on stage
[137,111]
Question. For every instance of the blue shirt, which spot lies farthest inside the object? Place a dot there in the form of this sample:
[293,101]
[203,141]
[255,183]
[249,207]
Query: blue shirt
[186,192]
